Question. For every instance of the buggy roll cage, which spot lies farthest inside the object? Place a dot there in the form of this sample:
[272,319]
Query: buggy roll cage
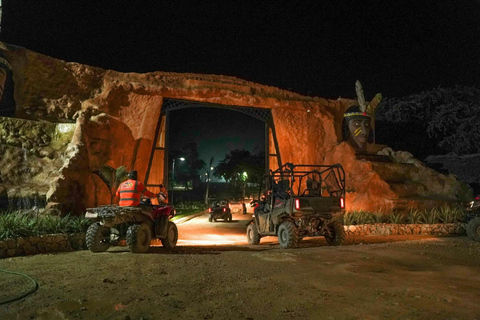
[313,180]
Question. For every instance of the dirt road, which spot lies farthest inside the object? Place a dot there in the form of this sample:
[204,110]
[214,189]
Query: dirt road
[400,277]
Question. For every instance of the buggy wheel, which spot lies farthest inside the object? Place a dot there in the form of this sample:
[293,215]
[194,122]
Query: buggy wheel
[215,219]
[97,238]
[138,237]
[288,235]
[473,229]
[336,233]
[230,217]
[170,240]
[253,236]
[210,218]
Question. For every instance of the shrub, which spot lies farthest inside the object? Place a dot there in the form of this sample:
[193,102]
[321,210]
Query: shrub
[396,217]
[14,224]
[449,214]
[415,216]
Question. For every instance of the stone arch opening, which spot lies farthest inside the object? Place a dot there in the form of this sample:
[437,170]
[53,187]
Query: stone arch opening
[158,169]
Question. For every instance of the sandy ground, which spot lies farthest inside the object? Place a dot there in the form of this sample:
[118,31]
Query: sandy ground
[215,274]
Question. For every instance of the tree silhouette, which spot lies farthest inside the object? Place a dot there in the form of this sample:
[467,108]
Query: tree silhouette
[232,167]
[448,117]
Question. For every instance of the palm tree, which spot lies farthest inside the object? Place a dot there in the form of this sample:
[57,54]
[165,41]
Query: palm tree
[112,178]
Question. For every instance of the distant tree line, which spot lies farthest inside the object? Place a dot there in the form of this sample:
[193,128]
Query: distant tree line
[235,163]
[439,121]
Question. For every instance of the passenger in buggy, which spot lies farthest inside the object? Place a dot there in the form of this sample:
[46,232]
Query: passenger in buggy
[313,188]
[281,193]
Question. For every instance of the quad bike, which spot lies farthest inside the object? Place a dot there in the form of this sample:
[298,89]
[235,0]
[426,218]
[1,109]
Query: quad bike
[136,225]
[472,218]
[300,201]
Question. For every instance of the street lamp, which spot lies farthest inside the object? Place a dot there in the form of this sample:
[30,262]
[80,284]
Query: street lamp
[207,180]
[173,174]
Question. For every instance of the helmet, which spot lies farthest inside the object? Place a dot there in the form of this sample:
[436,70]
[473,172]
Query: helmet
[132,175]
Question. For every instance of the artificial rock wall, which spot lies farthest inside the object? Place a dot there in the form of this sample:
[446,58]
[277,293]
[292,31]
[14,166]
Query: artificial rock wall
[115,116]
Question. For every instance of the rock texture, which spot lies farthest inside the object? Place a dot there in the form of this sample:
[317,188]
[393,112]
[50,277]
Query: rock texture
[116,114]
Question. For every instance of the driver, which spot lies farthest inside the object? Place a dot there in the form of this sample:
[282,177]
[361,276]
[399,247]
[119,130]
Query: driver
[129,191]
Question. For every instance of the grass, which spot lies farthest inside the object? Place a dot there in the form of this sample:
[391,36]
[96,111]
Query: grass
[182,213]
[14,224]
[444,214]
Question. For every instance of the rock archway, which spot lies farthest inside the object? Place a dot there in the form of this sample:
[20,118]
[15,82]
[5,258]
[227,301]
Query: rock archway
[114,117]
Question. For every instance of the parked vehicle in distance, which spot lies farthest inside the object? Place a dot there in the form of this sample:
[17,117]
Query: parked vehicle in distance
[300,201]
[219,209]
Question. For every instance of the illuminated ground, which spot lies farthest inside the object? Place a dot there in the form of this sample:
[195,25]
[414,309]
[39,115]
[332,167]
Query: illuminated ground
[214,274]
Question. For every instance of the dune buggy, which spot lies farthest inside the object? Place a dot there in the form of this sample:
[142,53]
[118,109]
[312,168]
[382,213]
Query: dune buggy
[472,218]
[219,209]
[136,225]
[300,201]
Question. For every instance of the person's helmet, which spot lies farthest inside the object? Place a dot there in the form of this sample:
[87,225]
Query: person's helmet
[132,175]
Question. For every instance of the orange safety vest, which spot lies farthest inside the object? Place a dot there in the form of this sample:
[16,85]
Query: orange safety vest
[129,193]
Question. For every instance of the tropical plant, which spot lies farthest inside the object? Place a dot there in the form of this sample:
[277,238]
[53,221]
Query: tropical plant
[15,224]
[112,178]
[430,217]
[396,217]
[414,216]
[448,214]
[379,217]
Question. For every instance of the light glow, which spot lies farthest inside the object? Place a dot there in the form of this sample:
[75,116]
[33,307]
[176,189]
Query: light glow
[342,203]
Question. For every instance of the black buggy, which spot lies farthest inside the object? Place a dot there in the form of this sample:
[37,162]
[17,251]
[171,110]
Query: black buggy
[300,201]
[472,218]
[219,209]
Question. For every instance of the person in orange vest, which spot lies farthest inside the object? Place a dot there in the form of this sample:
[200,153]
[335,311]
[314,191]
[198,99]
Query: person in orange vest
[130,190]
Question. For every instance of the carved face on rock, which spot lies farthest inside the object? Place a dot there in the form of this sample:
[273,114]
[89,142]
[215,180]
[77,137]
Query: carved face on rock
[357,128]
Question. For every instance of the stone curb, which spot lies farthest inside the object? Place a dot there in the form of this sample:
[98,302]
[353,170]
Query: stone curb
[42,244]
[69,242]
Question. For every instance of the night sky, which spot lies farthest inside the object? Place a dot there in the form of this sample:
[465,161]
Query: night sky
[317,48]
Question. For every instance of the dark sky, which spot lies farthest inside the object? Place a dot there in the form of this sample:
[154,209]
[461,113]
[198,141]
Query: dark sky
[311,47]
[318,47]
[212,128]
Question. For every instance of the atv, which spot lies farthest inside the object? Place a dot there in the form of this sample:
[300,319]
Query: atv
[300,201]
[472,218]
[136,225]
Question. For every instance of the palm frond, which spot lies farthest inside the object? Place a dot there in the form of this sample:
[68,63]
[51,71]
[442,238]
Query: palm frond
[107,174]
[121,174]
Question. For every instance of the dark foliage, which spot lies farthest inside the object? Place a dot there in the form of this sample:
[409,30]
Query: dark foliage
[188,171]
[238,161]
[443,120]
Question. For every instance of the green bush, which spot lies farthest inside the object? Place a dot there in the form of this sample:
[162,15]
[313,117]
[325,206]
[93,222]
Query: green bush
[17,224]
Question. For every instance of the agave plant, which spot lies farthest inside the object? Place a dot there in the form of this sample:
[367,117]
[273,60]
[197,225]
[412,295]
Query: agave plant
[415,216]
[112,178]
